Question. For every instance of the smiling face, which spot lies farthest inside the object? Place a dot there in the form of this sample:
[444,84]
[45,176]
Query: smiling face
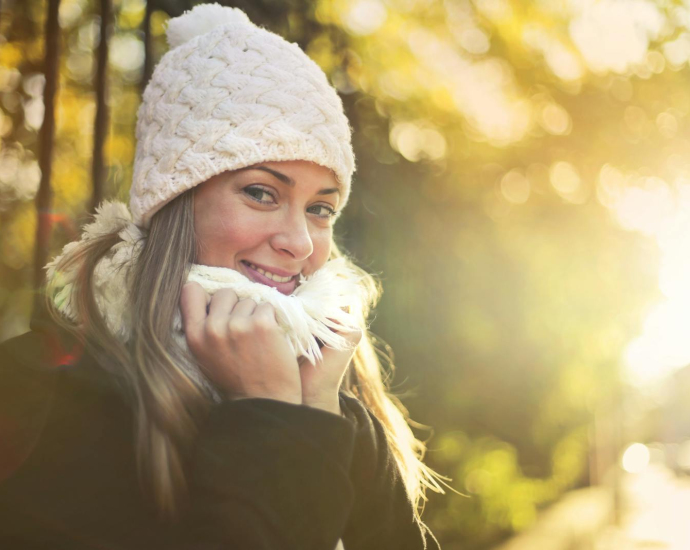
[270,221]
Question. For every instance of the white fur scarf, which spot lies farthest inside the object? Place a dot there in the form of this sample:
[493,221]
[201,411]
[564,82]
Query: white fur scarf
[329,299]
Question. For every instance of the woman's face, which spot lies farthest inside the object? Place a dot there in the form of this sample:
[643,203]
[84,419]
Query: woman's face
[270,221]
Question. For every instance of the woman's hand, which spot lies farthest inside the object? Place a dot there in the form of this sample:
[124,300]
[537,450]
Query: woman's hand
[239,345]
[321,382]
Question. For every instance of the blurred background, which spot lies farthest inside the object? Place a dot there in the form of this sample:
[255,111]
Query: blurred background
[523,191]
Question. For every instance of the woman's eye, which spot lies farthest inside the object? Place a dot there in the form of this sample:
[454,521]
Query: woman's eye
[323,211]
[263,196]
[258,194]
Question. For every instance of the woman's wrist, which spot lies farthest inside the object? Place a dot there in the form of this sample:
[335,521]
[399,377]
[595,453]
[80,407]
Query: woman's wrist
[292,399]
[331,405]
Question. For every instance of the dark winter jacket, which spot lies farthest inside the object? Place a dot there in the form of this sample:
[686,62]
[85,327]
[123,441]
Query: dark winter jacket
[265,474]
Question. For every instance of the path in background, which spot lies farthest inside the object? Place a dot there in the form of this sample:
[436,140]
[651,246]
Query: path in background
[655,513]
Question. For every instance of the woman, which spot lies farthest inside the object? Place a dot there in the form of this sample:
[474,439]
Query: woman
[227,394]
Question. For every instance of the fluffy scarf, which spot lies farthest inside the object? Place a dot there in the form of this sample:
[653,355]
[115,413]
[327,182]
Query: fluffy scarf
[330,299]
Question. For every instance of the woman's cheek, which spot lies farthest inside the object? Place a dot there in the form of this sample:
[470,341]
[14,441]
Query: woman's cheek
[322,247]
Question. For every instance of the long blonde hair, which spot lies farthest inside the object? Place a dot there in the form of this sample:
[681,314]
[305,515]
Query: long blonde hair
[169,406]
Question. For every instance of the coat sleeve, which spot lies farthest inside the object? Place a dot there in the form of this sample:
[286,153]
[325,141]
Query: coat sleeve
[26,395]
[269,475]
[382,516]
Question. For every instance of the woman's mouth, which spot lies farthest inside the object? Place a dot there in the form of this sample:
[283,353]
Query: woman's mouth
[284,285]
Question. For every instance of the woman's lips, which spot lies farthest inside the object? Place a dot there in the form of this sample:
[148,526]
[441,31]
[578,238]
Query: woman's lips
[286,288]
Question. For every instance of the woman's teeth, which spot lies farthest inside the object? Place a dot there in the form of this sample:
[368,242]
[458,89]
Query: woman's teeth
[269,275]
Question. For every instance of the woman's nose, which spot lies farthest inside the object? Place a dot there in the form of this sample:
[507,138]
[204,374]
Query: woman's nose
[293,236]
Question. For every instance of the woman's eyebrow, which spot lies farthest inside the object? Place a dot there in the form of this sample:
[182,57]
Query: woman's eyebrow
[328,191]
[287,180]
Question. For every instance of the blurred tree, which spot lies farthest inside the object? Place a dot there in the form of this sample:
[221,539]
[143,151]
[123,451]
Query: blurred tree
[101,121]
[47,134]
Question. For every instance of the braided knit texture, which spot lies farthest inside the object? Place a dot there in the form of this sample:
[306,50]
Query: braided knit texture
[230,97]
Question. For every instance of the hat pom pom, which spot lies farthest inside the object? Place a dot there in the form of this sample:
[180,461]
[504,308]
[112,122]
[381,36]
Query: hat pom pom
[200,20]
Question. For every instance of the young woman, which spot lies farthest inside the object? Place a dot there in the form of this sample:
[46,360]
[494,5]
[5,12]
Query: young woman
[206,378]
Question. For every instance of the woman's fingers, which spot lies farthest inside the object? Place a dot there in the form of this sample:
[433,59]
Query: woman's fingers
[244,308]
[265,315]
[222,303]
[193,302]
[238,345]
[240,322]
[354,335]
[351,334]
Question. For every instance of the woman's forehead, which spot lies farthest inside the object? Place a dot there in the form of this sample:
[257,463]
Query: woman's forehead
[290,168]
[293,172]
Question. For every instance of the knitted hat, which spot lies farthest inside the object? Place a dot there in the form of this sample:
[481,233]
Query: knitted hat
[227,95]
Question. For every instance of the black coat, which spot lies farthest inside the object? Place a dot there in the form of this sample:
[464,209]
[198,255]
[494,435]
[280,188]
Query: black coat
[265,474]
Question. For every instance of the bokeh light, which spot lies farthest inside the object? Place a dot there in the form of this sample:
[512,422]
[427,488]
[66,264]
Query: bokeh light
[635,458]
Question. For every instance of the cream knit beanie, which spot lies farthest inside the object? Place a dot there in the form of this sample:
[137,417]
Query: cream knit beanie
[229,94]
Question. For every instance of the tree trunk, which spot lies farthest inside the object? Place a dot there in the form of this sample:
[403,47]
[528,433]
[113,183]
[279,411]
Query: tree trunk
[148,56]
[100,129]
[46,137]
